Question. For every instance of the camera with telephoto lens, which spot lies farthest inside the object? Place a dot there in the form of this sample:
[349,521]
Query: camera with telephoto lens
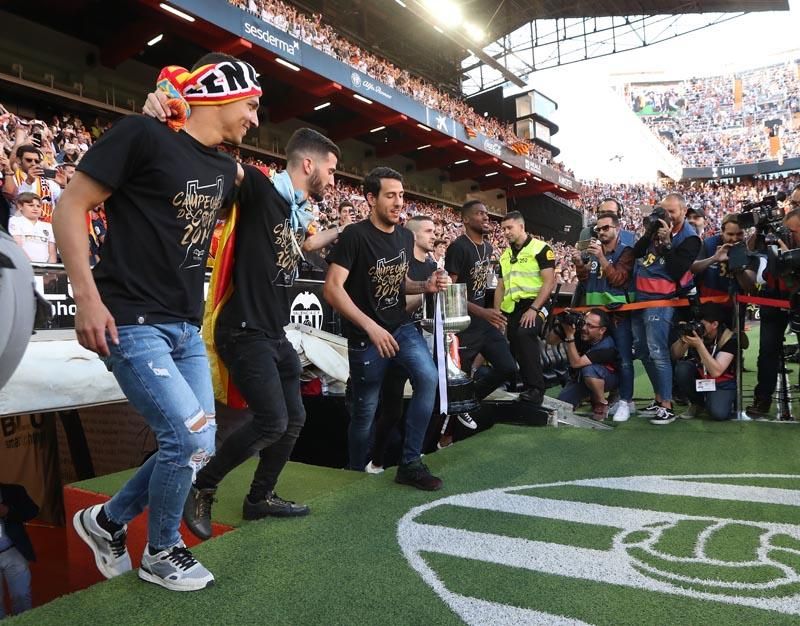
[764,215]
[685,329]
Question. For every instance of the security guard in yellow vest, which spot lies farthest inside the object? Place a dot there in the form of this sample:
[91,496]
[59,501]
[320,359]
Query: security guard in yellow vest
[527,277]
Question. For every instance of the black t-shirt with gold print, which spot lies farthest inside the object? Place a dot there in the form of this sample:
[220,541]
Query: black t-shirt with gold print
[266,259]
[166,190]
[378,263]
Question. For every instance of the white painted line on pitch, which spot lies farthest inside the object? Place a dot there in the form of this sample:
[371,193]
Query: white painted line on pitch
[714,491]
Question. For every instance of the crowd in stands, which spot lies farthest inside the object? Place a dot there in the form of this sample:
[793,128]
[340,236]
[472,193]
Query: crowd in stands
[64,138]
[311,30]
[702,121]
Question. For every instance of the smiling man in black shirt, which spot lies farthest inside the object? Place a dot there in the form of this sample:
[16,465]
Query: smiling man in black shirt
[249,335]
[367,283]
[141,309]
[468,261]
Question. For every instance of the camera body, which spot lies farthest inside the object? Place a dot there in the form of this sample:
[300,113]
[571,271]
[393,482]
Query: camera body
[764,215]
[581,247]
[652,222]
[570,318]
[685,329]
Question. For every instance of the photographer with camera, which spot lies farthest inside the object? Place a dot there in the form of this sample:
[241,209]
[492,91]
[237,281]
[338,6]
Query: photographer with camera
[664,253]
[779,283]
[607,281]
[592,355]
[724,267]
[705,370]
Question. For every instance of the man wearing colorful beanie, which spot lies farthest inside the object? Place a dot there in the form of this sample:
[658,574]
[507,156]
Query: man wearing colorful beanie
[141,307]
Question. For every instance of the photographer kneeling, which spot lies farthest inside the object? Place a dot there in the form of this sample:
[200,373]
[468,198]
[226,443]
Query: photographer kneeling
[592,355]
[707,375]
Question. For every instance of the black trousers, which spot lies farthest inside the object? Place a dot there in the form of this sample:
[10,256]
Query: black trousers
[526,346]
[773,326]
[480,337]
[267,373]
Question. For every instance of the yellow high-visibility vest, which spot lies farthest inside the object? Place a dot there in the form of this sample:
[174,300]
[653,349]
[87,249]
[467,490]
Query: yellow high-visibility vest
[522,279]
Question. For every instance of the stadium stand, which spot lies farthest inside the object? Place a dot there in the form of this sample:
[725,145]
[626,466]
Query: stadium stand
[733,118]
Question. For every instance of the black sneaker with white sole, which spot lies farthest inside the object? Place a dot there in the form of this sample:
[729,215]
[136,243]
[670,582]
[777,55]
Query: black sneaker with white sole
[663,416]
[467,421]
[650,409]
[110,554]
[175,569]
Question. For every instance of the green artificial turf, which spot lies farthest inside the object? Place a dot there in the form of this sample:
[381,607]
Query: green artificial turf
[343,564]
[298,482]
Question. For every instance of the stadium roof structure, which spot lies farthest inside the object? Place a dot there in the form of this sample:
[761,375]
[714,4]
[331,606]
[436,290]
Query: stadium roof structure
[519,36]
[344,106]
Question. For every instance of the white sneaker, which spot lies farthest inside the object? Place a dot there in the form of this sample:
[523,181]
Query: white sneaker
[371,468]
[110,554]
[622,413]
[175,569]
[466,420]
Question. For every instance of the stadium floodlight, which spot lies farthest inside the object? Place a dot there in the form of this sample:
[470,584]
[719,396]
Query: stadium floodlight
[362,98]
[155,39]
[524,182]
[427,145]
[461,161]
[492,174]
[319,107]
[537,178]
[511,167]
[474,32]
[375,130]
[423,127]
[177,12]
[470,148]
[291,66]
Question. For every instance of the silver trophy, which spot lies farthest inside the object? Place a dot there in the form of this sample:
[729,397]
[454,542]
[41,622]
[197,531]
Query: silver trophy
[455,318]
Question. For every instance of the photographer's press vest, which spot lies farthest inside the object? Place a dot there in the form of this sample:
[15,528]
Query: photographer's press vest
[715,280]
[652,280]
[598,291]
[522,279]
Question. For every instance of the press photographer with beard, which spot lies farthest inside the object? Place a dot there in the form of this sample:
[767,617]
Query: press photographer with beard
[593,358]
[664,256]
[774,320]
[712,272]
[705,371]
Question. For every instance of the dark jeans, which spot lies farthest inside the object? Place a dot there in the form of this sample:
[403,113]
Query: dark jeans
[720,404]
[576,390]
[391,411]
[267,372]
[367,370]
[526,346]
[480,337]
[773,327]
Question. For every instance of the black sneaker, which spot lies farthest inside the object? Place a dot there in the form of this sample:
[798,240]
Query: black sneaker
[650,410]
[197,511]
[272,506]
[663,416]
[417,475]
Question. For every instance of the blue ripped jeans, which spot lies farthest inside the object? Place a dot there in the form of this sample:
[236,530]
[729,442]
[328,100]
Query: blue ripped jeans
[651,329]
[163,370]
